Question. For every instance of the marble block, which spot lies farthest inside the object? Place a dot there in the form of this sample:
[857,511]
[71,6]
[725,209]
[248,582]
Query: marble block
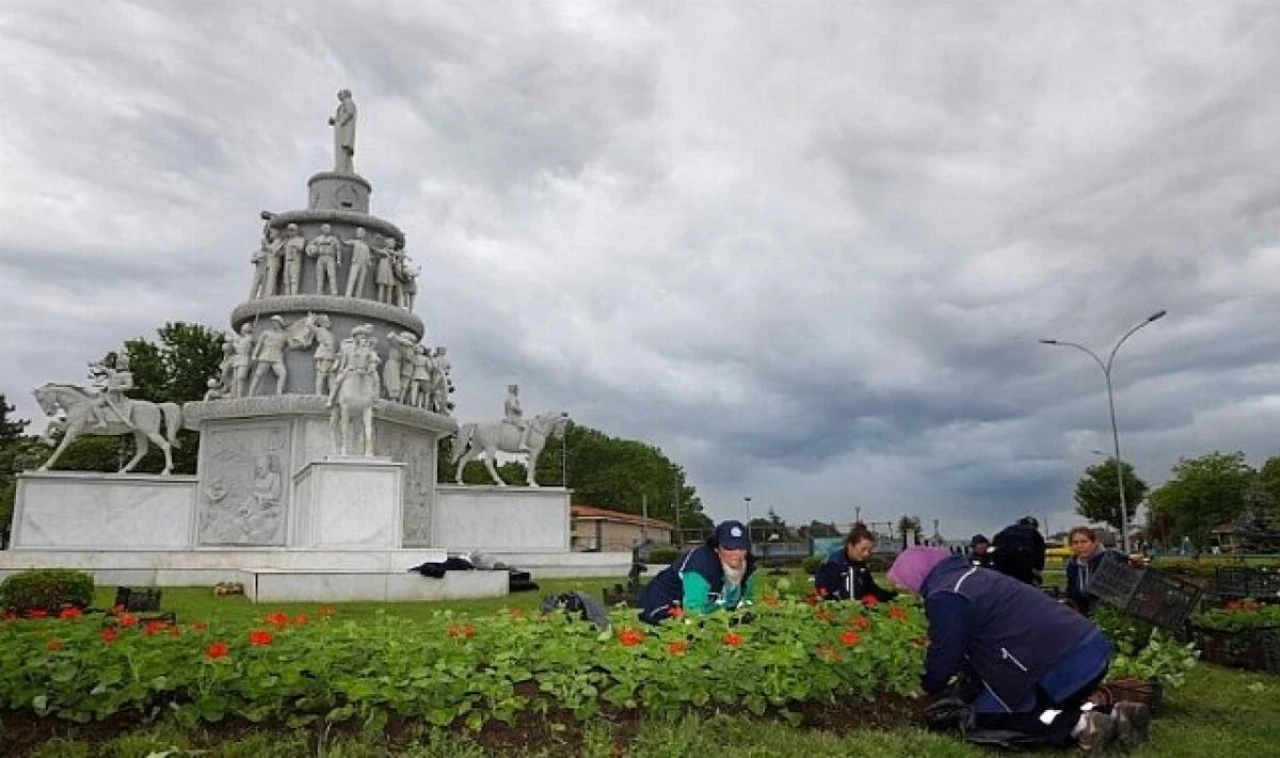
[348,501]
[73,509]
[513,519]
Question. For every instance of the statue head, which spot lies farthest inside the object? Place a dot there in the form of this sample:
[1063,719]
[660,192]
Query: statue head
[513,389]
[246,329]
[325,228]
[278,320]
[292,228]
[321,319]
[360,232]
[122,361]
[344,94]
[211,383]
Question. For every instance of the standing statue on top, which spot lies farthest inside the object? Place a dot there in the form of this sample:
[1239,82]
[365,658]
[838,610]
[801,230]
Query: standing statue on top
[344,134]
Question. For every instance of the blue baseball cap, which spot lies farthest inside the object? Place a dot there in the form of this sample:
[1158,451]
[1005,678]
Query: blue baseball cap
[732,535]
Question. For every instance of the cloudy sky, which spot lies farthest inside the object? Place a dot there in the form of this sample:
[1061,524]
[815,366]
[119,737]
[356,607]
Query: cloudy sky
[806,248]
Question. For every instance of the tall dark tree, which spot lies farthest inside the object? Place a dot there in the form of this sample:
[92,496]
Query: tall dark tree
[17,453]
[1098,493]
[1206,492]
[10,428]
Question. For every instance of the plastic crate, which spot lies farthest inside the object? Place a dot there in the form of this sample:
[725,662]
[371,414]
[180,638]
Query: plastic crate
[1115,580]
[1250,648]
[1164,600]
[1246,581]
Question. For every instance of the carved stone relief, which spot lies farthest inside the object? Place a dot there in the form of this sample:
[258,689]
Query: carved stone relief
[243,497]
[417,451]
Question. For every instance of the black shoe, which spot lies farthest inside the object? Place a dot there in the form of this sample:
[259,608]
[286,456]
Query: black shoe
[1133,723]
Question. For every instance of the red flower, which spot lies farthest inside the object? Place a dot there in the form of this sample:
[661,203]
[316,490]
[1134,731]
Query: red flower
[1233,605]
[128,619]
[8,616]
[278,620]
[824,615]
[850,638]
[812,600]
[260,638]
[921,642]
[679,647]
[217,650]
[54,645]
[516,613]
[732,639]
[860,622]
[109,635]
[301,619]
[199,626]
[870,601]
[460,631]
[628,636]
[37,613]
[898,613]
[153,627]
[117,609]
[70,612]
[677,612]
[327,610]
[829,654]
[175,631]
[821,591]
[771,600]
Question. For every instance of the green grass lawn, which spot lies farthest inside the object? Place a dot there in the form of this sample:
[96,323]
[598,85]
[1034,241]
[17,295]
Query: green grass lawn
[1219,712]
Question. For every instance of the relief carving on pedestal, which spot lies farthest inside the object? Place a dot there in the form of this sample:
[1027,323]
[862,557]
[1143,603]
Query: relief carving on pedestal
[244,500]
[416,451]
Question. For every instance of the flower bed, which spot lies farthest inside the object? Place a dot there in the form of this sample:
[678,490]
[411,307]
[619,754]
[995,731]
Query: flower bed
[454,669]
[1243,634]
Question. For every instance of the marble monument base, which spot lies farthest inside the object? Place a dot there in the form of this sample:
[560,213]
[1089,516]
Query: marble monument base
[350,501]
[83,509]
[502,519]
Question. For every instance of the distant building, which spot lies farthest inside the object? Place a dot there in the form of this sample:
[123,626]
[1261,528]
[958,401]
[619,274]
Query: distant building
[599,529]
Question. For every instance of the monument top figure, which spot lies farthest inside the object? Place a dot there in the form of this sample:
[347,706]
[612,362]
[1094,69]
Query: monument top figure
[343,122]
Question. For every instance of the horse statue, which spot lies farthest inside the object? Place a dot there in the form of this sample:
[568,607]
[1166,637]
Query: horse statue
[77,403]
[476,440]
[354,400]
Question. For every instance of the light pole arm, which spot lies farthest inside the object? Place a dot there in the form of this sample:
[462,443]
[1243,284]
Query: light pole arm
[1106,367]
[1112,357]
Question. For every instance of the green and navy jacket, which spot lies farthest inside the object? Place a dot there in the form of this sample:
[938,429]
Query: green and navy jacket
[696,583]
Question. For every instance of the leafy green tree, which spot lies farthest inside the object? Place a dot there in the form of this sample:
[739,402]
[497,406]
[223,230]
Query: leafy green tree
[10,428]
[1098,493]
[18,453]
[1207,491]
[1267,501]
[907,526]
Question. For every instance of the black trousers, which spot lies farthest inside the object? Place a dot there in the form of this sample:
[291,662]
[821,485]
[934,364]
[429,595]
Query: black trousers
[1056,732]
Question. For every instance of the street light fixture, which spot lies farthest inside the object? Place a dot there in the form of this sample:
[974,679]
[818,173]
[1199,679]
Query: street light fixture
[1111,404]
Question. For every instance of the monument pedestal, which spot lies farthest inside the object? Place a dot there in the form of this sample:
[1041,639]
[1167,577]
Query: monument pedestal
[348,502]
[502,519]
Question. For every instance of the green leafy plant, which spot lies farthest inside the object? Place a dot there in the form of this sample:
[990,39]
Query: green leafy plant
[456,669]
[1161,659]
[47,590]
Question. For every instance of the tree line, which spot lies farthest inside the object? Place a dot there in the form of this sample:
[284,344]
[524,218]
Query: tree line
[1202,493]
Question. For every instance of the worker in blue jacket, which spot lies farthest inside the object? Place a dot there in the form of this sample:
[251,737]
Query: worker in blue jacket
[845,575]
[1085,561]
[714,576]
[1037,661]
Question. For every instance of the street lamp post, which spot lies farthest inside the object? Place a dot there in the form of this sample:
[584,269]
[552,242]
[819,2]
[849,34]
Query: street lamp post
[1111,404]
[747,500]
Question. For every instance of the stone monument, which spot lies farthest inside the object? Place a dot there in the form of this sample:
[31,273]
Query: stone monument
[317,471]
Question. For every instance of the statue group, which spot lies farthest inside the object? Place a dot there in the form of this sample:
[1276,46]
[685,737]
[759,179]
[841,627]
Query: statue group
[277,265]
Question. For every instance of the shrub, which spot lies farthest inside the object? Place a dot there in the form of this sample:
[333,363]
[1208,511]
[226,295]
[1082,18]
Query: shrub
[663,555]
[812,563]
[46,589]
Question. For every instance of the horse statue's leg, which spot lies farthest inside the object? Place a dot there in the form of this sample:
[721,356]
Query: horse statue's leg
[535,449]
[490,452]
[139,442]
[69,433]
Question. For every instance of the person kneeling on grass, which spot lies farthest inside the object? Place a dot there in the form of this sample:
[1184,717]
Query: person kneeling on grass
[844,575]
[714,576]
[1036,661]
